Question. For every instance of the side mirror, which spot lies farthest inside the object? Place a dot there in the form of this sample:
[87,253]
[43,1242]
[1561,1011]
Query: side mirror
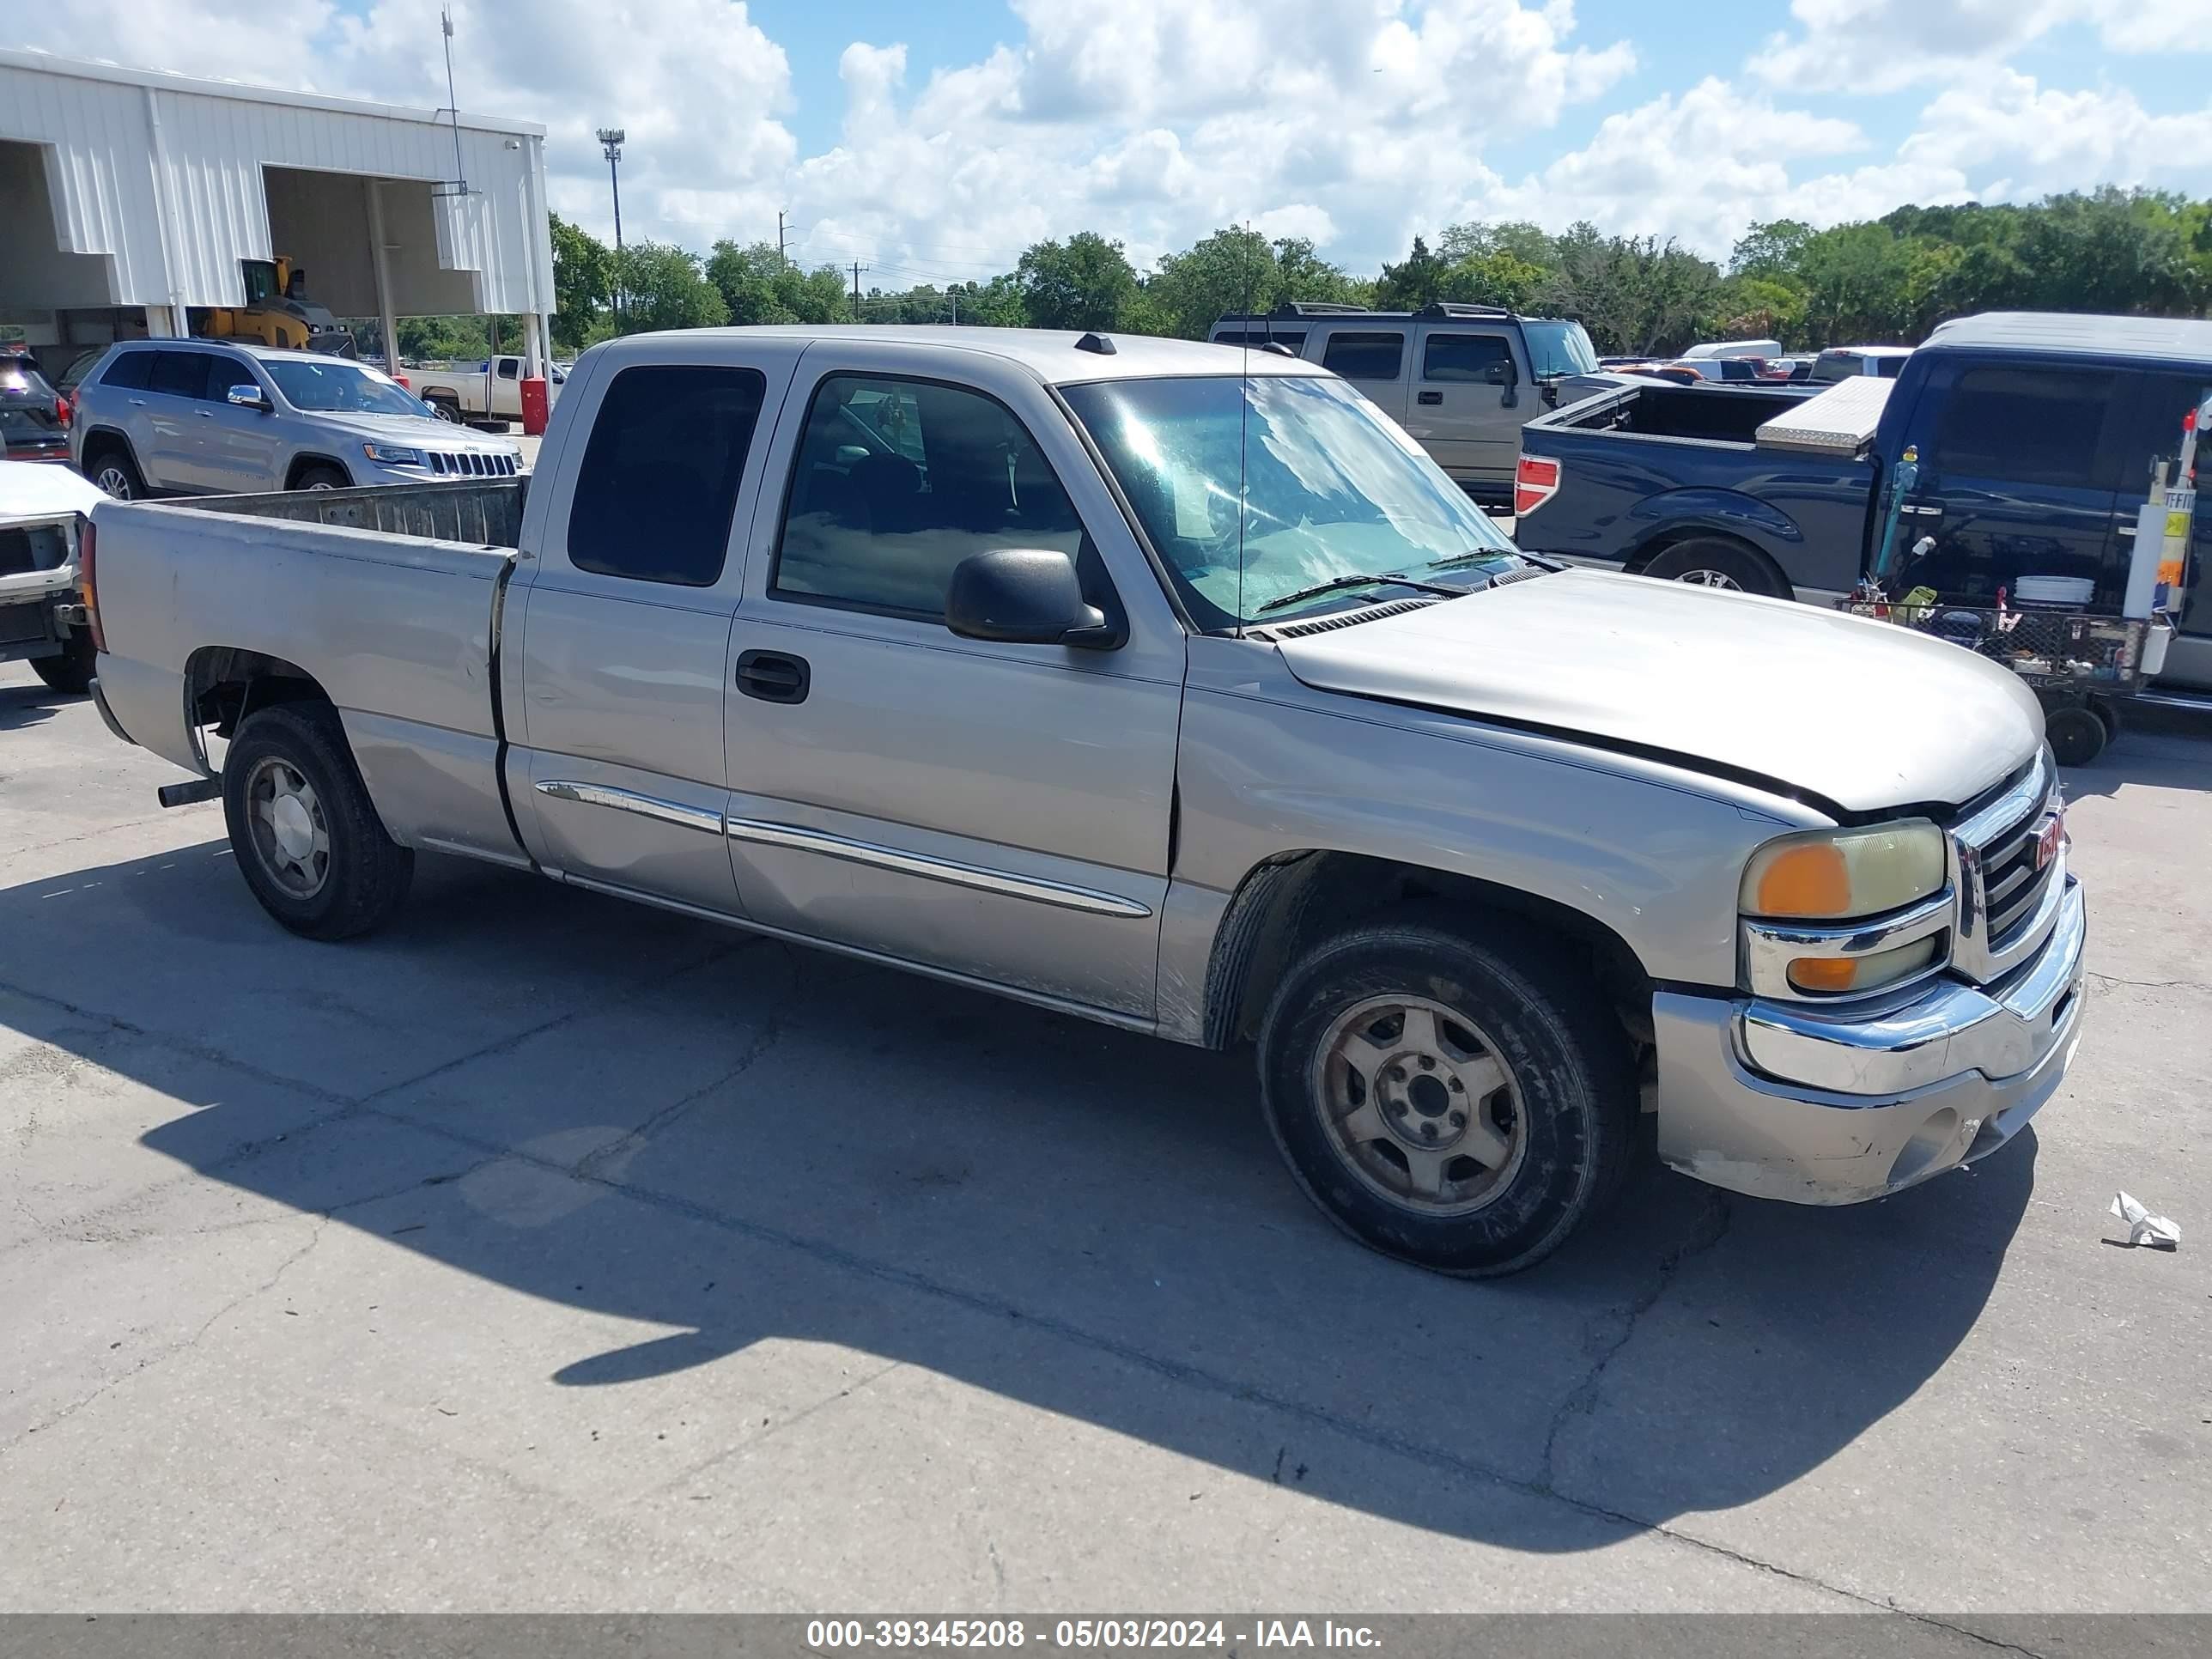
[250,396]
[1024,595]
[1501,374]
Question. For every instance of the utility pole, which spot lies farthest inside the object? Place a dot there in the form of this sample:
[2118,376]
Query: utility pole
[856,291]
[610,140]
[953,300]
[781,257]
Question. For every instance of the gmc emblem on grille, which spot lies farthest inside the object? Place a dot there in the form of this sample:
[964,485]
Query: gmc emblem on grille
[2052,838]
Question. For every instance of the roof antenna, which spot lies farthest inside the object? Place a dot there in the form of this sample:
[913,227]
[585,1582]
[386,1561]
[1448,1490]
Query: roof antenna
[452,108]
[1244,426]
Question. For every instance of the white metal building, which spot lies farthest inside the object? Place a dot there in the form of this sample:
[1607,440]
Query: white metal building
[128,197]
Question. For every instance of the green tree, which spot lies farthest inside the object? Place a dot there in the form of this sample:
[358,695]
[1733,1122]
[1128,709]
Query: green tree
[662,285]
[1771,251]
[1083,282]
[758,285]
[1635,294]
[1416,281]
[995,304]
[583,270]
[1232,269]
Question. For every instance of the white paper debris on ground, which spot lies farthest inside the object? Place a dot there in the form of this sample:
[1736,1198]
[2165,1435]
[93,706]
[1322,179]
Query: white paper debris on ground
[2144,1228]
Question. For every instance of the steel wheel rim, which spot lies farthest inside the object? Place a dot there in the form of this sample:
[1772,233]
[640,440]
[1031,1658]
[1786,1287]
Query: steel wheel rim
[291,837]
[1710,578]
[322,483]
[115,481]
[1418,1104]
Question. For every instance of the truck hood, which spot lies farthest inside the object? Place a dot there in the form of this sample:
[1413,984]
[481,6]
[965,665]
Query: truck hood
[35,492]
[1857,714]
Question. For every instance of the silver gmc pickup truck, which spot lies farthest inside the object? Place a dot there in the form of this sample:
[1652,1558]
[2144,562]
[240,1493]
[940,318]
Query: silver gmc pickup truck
[1174,687]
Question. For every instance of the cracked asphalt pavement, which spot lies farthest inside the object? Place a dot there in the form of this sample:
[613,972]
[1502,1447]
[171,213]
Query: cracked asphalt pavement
[549,1253]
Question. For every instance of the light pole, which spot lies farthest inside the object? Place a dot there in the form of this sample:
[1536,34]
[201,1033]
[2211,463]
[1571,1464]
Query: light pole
[610,140]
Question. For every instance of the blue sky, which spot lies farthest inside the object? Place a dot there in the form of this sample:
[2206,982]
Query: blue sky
[938,141]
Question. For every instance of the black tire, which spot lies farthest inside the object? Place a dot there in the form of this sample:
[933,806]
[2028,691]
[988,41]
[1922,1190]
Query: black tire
[109,465]
[360,874]
[2077,736]
[1715,561]
[73,670]
[1572,1089]
[444,408]
[321,477]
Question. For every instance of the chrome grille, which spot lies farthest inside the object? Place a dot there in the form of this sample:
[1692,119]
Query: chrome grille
[2011,884]
[2003,913]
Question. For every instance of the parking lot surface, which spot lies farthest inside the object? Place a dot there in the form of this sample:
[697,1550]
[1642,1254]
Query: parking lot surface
[547,1252]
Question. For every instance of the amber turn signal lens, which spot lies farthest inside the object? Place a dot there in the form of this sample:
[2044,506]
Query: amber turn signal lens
[1829,975]
[1824,973]
[1806,880]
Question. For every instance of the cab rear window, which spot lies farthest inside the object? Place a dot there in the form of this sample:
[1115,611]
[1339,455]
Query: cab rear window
[659,478]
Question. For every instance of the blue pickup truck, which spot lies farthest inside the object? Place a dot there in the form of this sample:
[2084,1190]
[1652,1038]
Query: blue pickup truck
[2036,436]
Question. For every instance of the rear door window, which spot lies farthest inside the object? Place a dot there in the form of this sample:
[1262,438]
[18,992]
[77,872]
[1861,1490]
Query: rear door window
[1376,356]
[181,373]
[659,478]
[1463,357]
[129,372]
[2028,425]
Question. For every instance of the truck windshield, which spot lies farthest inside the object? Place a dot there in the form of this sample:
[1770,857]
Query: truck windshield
[1558,348]
[1329,489]
[340,388]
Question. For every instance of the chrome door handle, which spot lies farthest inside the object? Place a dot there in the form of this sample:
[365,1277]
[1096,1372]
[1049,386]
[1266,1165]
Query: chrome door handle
[1921,512]
[138,402]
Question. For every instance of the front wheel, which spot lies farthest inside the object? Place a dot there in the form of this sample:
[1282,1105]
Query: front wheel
[306,836]
[1459,1104]
[321,477]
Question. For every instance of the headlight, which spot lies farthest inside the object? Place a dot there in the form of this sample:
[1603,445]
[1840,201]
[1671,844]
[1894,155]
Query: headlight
[394,455]
[1836,875]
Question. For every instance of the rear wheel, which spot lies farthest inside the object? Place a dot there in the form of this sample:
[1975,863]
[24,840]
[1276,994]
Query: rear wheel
[306,838]
[72,670]
[444,407]
[1457,1102]
[1715,561]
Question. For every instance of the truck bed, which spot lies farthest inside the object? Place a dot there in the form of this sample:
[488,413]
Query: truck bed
[410,631]
[1650,466]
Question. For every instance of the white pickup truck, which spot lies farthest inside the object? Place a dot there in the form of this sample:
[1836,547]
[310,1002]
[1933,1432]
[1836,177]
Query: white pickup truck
[1170,686]
[488,392]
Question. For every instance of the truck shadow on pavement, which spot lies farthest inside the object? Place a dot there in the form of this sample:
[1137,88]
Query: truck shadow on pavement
[628,1113]
[24,705]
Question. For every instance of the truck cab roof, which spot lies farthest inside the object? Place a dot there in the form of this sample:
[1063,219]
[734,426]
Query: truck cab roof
[1056,357]
[2043,333]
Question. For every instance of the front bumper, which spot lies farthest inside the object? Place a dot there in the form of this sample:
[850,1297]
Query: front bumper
[1821,1106]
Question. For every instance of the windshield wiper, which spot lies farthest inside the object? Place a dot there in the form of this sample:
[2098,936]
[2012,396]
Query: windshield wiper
[1334,583]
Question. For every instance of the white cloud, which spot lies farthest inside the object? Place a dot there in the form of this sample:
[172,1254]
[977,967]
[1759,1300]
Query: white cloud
[1876,46]
[1355,123]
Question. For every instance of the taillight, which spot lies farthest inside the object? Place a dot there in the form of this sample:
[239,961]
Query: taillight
[63,409]
[1535,480]
[88,584]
